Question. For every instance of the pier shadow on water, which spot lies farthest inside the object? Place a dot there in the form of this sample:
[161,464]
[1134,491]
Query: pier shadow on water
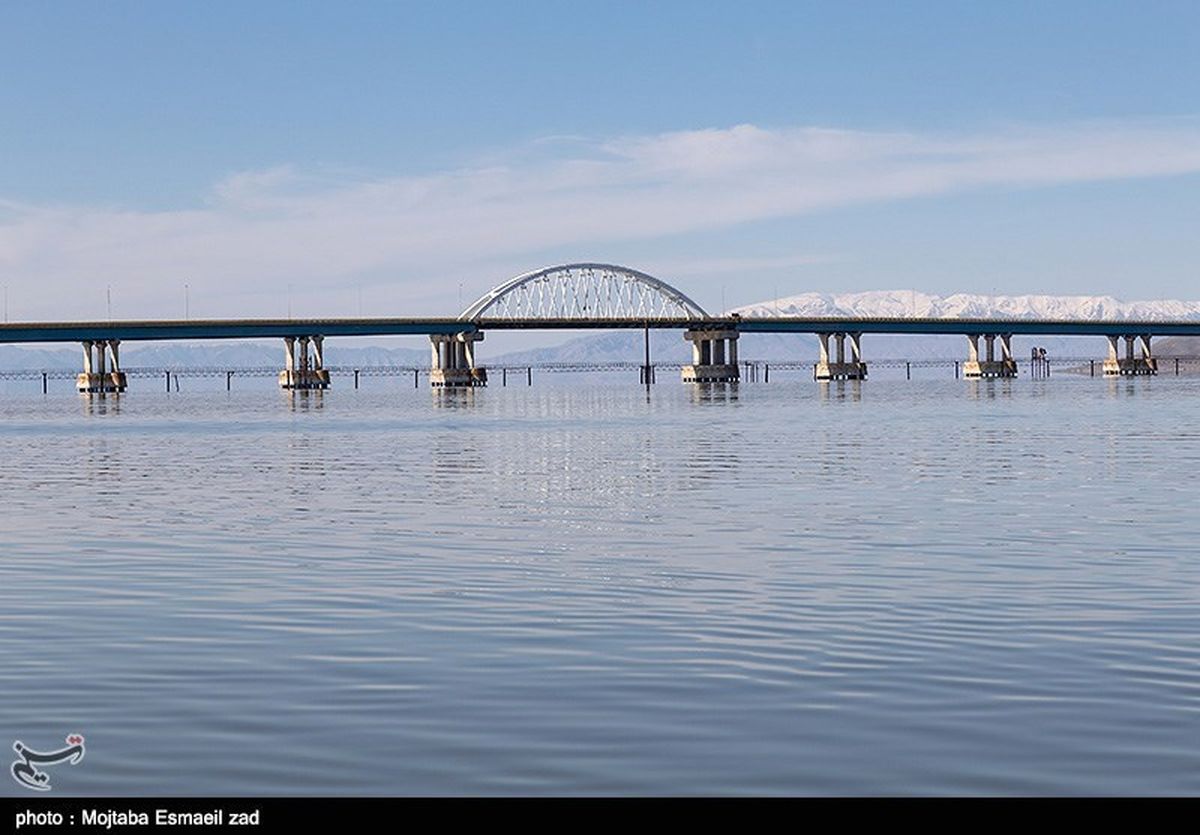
[100,404]
[713,392]
[848,390]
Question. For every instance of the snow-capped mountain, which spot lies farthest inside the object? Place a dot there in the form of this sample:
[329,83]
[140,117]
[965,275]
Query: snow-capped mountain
[901,303]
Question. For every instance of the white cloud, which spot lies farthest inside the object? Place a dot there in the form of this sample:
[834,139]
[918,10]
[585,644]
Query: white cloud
[262,230]
[717,266]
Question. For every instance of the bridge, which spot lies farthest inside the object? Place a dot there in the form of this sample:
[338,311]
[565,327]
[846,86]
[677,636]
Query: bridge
[593,296]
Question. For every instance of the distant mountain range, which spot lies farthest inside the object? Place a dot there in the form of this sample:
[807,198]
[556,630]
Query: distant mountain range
[909,303]
[901,303]
[207,355]
[669,346]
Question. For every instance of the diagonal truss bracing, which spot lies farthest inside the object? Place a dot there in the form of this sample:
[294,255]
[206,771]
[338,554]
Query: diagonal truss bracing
[584,292]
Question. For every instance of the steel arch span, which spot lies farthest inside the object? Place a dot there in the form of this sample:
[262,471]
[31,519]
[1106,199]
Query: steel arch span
[584,293]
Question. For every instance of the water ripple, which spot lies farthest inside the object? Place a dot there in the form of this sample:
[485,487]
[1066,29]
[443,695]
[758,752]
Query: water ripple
[890,588]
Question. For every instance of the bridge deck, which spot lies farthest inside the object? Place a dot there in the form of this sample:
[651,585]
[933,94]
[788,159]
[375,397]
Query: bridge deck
[266,328]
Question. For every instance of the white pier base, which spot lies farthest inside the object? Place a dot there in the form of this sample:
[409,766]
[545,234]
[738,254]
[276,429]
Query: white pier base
[1129,365]
[989,367]
[453,361]
[714,357]
[836,366]
[95,379]
[304,371]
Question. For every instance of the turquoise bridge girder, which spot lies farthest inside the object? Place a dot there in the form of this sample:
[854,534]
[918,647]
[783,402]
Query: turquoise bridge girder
[166,330]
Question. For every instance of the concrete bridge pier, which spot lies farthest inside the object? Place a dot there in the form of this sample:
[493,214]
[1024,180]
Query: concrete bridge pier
[989,366]
[95,379]
[1130,365]
[837,367]
[452,358]
[302,371]
[714,356]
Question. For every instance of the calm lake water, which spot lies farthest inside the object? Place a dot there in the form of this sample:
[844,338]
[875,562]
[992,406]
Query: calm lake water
[925,587]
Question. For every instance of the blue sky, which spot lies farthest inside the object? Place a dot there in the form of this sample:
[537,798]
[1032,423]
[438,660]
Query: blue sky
[407,154]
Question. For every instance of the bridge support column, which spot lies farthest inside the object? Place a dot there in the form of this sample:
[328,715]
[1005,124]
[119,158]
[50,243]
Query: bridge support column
[990,367]
[302,372]
[839,368]
[452,357]
[95,379]
[1129,365]
[714,356]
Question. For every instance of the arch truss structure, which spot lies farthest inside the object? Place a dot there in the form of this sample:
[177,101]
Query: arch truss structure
[584,293]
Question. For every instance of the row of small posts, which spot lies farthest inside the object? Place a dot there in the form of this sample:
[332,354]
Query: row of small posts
[714,360]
